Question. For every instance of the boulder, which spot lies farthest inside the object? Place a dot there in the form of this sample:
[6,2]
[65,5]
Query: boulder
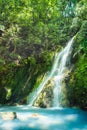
[8,115]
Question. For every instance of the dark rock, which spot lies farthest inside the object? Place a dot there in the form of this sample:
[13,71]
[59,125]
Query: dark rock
[74,58]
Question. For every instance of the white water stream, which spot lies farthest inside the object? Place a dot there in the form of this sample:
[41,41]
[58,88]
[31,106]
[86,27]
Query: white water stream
[60,67]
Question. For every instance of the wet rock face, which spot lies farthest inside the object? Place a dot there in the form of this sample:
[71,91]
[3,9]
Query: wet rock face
[44,99]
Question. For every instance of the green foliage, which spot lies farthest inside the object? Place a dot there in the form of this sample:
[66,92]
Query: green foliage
[81,9]
[84,46]
[80,82]
[2,61]
[32,61]
[30,32]
[36,16]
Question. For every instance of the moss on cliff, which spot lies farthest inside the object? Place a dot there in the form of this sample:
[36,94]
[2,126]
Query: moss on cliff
[18,80]
[77,85]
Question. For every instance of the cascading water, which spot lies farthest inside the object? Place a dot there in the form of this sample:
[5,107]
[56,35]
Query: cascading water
[58,73]
[61,70]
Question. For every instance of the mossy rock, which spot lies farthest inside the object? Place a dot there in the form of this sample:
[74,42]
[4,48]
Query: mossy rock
[44,99]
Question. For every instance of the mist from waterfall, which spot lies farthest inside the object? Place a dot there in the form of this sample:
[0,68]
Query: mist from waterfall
[58,72]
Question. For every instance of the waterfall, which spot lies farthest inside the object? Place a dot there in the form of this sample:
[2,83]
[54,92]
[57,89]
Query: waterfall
[62,67]
[58,72]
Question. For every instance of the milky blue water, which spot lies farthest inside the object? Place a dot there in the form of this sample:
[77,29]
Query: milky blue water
[44,119]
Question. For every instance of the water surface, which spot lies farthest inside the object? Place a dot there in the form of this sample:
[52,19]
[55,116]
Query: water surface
[31,118]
